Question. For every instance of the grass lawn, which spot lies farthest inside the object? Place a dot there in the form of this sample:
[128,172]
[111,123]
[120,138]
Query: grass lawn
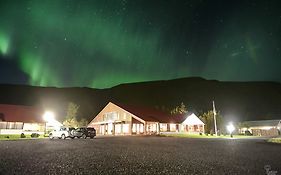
[17,137]
[275,140]
[185,135]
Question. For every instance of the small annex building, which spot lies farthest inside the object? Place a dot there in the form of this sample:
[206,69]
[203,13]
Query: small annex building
[17,119]
[262,127]
[119,119]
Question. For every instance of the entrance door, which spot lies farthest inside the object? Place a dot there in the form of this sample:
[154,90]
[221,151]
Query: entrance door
[196,128]
[102,129]
[110,128]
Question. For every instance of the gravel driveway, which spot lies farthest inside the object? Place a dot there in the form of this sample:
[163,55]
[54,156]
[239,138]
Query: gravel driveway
[139,155]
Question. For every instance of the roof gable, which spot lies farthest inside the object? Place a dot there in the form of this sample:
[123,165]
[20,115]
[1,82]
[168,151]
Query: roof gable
[152,115]
[148,114]
[193,120]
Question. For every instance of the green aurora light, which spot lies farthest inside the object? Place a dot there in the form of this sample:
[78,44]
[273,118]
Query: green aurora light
[4,43]
[105,43]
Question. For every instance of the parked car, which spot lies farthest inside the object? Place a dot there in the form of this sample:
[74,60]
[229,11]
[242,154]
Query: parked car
[84,133]
[62,133]
[248,133]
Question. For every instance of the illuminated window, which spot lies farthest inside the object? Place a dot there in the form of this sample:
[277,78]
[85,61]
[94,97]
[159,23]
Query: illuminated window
[173,127]
[111,116]
[18,125]
[10,125]
[163,127]
[32,127]
[141,128]
[118,129]
[102,129]
[125,128]
[137,128]
[134,129]
[3,125]
[151,127]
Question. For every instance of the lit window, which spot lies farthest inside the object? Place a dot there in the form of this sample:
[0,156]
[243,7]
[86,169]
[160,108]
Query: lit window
[18,125]
[163,127]
[125,128]
[111,116]
[10,125]
[173,127]
[3,125]
[31,127]
[134,129]
[154,128]
[102,129]
[141,128]
[118,128]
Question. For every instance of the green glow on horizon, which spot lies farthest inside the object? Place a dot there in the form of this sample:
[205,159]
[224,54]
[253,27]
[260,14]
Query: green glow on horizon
[4,43]
[40,74]
[111,79]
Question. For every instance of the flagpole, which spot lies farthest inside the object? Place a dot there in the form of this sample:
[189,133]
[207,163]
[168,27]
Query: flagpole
[215,120]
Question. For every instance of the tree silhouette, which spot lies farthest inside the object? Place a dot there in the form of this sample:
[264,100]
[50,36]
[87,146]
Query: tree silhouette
[2,117]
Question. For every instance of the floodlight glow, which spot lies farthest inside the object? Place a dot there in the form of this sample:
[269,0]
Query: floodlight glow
[230,128]
[49,116]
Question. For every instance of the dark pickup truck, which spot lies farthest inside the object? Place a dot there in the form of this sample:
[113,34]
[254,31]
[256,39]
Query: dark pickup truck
[84,133]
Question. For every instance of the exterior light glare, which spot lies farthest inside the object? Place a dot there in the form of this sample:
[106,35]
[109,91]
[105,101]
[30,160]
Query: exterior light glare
[50,121]
[49,116]
[230,128]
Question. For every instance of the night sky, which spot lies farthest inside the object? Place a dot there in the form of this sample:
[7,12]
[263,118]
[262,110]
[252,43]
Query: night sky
[107,42]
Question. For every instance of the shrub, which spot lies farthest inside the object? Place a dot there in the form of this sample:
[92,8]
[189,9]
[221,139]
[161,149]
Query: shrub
[200,133]
[22,135]
[35,135]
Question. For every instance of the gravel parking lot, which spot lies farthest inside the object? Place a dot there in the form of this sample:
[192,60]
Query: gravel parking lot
[139,155]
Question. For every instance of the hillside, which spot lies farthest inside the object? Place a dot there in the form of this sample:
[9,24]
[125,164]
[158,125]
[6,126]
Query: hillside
[235,100]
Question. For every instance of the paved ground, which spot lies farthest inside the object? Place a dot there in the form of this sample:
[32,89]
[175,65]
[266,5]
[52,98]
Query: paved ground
[139,155]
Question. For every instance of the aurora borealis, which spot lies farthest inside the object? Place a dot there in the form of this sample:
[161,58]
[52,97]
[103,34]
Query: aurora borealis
[107,42]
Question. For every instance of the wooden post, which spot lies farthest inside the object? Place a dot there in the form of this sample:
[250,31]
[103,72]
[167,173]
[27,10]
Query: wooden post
[113,128]
[158,128]
[203,129]
[122,128]
[144,128]
[130,128]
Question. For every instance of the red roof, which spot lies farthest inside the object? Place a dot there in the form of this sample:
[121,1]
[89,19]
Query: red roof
[17,113]
[153,115]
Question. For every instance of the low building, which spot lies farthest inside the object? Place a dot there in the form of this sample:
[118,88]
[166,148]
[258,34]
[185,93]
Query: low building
[119,119]
[262,127]
[16,119]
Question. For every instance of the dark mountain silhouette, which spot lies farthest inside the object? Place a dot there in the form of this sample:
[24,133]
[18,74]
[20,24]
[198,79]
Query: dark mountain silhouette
[235,100]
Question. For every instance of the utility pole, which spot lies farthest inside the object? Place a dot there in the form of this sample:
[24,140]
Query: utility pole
[215,120]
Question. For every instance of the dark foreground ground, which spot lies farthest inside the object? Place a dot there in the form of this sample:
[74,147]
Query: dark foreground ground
[139,155]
